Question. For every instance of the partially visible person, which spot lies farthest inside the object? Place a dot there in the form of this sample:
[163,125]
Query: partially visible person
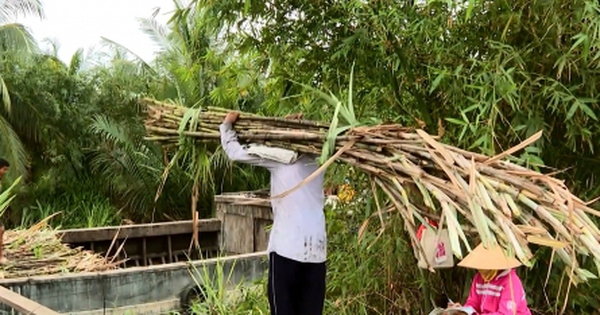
[298,242]
[4,167]
[496,288]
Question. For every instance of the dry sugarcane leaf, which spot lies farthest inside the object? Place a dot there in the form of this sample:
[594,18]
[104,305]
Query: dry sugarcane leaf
[514,149]
[543,241]
[453,229]
[374,190]
[527,229]
[445,153]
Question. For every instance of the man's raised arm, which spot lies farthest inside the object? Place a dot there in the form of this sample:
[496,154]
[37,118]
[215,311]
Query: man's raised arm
[233,148]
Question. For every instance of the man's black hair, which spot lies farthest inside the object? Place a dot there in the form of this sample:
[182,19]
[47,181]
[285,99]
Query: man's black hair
[4,163]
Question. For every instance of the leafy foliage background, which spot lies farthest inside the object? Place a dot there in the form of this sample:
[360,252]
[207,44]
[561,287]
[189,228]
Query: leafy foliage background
[486,74]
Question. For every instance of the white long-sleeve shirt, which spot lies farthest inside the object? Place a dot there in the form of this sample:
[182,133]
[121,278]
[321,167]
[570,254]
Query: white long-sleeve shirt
[298,231]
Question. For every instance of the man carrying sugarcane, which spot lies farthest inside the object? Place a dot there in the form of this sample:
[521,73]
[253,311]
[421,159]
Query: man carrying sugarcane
[4,166]
[298,243]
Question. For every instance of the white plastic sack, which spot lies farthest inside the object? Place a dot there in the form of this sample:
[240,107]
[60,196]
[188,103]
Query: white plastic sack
[437,248]
[274,154]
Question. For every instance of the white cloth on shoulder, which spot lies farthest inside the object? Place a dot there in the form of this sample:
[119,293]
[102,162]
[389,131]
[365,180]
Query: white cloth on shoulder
[280,155]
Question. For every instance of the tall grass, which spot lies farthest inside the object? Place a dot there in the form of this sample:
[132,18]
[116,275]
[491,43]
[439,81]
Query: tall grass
[78,202]
[76,210]
[216,293]
[73,212]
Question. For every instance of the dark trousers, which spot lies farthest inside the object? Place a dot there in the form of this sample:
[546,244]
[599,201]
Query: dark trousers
[295,288]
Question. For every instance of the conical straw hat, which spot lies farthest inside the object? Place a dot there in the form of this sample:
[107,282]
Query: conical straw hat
[492,258]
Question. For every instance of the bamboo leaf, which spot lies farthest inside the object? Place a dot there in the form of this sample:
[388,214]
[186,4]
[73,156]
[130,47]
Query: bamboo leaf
[572,110]
[580,39]
[588,111]
[455,121]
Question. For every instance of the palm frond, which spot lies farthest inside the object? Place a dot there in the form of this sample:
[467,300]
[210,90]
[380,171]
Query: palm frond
[109,130]
[12,149]
[143,64]
[7,196]
[12,9]
[16,37]
[54,44]
[131,167]
[5,95]
[158,33]
[76,61]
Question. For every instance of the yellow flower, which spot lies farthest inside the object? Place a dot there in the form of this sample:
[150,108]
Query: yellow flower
[346,193]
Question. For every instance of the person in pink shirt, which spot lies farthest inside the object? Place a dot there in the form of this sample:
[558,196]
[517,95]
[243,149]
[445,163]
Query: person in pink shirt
[496,288]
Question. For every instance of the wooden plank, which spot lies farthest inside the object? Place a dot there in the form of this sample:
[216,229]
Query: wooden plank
[245,210]
[163,255]
[238,234]
[170,248]
[244,216]
[138,230]
[261,193]
[22,304]
[261,235]
[248,198]
[144,253]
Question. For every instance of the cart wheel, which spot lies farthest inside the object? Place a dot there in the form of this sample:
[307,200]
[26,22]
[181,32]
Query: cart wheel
[191,294]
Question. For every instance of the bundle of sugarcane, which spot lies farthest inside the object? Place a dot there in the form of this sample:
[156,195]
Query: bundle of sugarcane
[39,251]
[504,202]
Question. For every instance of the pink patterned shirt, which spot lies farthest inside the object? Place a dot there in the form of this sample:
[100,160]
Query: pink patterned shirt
[495,297]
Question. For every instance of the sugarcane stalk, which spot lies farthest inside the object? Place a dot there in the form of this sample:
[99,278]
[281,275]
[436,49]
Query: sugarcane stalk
[489,194]
[40,252]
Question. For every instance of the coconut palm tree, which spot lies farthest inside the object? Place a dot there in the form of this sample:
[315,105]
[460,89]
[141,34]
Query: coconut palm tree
[15,41]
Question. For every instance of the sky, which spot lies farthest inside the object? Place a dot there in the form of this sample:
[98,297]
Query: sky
[81,24]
